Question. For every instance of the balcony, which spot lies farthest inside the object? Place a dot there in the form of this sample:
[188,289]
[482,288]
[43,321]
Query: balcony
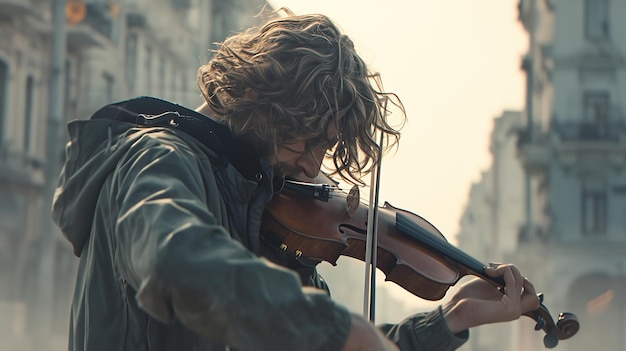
[95,29]
[181,4]
[136,19]
[20,169]
[584,131]
[532,232]
[534,150]
[15,8]
[592,146]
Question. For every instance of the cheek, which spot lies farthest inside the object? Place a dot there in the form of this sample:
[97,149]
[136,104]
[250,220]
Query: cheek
[287,156]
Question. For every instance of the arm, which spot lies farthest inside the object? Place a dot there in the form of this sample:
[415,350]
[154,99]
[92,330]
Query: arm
[185,266]
[425,332]
[478,302]
[475,303]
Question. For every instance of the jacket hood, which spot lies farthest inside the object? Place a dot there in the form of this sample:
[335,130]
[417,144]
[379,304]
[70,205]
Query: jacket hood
[96,145]
[91,155]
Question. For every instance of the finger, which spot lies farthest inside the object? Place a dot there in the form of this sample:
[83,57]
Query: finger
[513,291]
[529,288]
[509,281]
[519,280]
[516,272]
[496,269]
[494,264]
[527,300]
[530,301]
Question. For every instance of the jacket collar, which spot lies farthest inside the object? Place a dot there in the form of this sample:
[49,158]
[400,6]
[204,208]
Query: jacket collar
[153,112]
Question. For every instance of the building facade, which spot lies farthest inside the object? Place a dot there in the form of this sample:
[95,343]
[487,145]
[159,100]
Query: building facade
[114,49]
[572,149]
[492,219]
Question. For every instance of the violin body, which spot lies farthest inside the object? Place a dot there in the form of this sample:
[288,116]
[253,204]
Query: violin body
[325,231]
[411,252]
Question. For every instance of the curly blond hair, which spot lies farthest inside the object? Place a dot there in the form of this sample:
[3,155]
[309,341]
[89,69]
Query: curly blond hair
[298,76]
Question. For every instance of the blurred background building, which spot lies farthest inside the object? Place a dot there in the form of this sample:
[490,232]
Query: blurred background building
[554,199]
[109,50]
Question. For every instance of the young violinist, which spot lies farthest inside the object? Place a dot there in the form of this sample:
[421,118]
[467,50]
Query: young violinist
[164,205]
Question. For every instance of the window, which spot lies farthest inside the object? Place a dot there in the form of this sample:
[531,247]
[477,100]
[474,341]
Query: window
[596,107]
[131,61]
[594,210]
[597,19]
[67,95]
[109,84]
[174,93]
[183,87]
[149,70]
[4,76]
[28,113]
[161,76]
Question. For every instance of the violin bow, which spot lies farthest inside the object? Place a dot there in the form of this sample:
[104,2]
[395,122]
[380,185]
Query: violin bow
[369,299]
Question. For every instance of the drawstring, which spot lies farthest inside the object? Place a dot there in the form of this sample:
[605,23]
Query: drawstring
[110,145]
[109,137]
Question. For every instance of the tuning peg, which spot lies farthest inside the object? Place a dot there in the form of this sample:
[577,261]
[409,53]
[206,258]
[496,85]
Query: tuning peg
[540,323]
[550,340]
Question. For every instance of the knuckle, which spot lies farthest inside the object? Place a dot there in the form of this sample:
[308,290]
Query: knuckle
[537,302]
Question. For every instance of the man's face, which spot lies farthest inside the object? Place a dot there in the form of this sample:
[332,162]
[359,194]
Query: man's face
[302,157]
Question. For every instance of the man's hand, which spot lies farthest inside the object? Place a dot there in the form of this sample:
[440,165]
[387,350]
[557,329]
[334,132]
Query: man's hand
[478,302]
[364,336]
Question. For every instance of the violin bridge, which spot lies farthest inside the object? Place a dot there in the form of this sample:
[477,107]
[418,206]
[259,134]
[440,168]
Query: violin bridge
[352,200]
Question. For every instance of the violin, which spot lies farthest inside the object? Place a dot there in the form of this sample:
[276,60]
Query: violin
[320,222]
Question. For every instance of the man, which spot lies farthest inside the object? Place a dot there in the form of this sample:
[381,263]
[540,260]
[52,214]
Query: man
[164,207]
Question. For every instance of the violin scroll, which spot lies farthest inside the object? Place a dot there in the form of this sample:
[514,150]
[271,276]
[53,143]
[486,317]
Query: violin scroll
[567,324]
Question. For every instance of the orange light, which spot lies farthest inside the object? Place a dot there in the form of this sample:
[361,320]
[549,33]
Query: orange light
[600,303]
[75,11]
[114,10]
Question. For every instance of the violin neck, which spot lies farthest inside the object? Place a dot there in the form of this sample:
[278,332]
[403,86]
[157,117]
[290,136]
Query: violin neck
[439,245]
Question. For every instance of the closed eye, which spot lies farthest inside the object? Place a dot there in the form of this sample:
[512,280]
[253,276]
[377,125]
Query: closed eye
[302,152]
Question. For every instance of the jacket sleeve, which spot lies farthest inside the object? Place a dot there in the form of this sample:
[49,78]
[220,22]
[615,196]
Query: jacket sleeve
[185,266]
[424,332]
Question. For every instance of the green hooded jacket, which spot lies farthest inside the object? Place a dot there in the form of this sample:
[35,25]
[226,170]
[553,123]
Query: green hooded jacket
[164,208]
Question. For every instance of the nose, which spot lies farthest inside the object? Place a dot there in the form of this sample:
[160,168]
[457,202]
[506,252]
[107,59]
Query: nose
[311,162]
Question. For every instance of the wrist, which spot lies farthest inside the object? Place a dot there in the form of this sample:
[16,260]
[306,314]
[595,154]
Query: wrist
[452,318]
[432,333]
